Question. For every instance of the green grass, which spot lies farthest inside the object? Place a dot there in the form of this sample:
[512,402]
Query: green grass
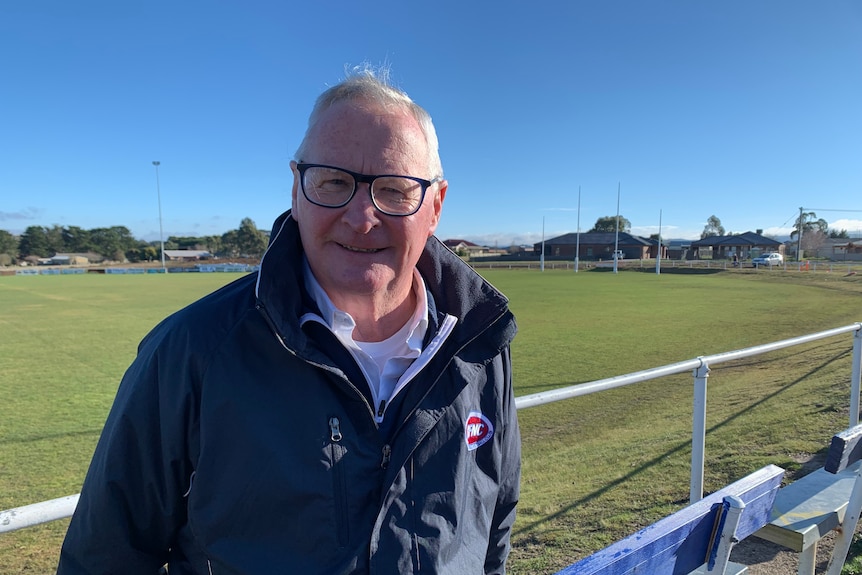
[853,566]
[595,468]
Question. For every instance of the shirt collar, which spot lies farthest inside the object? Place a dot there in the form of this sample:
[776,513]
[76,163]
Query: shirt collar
[342,323]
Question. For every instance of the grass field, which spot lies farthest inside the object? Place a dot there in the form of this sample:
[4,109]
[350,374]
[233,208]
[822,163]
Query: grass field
[595,468]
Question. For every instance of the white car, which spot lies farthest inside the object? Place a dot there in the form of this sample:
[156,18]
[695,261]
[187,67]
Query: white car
[770,259]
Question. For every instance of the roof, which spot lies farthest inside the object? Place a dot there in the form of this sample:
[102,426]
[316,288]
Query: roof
[186,253]
[598,239]
[745,239]
[842,242]
[456,243]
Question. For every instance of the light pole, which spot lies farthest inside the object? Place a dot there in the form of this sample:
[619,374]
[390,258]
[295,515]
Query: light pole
[159,195]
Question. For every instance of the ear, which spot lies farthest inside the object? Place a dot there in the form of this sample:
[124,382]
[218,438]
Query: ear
[294,191]
[437,205]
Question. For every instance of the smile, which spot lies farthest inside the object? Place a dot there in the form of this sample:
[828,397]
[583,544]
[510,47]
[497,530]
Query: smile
[360,250]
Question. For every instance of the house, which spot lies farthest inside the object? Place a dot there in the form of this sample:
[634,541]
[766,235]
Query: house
[677,249]
[744,246]
[849,249]
[465,248]
[599,246]
[835,249]
[187,255]
[70,260]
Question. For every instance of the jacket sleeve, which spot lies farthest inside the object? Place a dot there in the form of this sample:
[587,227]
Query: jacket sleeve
[510,478]
[132,503]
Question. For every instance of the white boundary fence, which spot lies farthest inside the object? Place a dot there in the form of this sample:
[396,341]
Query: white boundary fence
[46,511]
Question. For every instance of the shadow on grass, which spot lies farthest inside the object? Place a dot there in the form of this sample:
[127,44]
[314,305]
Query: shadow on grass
[683,271]
[609,268]
[36,438]
[673,451]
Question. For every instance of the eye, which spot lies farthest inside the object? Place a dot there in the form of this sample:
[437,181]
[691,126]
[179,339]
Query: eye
[334,183]
[328,181]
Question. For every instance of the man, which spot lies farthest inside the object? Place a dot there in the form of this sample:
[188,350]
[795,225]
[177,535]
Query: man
[348,409]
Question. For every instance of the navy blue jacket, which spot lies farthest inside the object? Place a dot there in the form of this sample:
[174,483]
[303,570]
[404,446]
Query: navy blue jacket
[241,442]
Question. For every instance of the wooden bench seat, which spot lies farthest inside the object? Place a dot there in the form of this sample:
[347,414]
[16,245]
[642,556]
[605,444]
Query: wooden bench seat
[807,509]
[696,539]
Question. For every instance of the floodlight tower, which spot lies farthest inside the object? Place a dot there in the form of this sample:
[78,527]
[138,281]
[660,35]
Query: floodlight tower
[159,195]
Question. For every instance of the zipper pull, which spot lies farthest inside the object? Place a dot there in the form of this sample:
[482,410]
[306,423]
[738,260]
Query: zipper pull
[382,408]
[335,429]
[387,453]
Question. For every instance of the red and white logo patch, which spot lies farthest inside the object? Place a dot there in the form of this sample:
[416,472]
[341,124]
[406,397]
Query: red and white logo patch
[478,430]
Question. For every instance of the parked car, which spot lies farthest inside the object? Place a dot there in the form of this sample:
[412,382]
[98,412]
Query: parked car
[770,259]
[619,255]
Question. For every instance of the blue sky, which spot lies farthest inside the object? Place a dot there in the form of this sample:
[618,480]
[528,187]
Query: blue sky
[744,110]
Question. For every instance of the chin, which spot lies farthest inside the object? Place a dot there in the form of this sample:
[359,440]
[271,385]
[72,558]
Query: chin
[366,281]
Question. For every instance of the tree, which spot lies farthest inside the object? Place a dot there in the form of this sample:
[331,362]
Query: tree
[55,239]
[212,244]
[809,222]
[34,242]
[112,242]
[144,252]
[813,241]
[229,244]
[839,235]
[251,241]
[8,244]
[185,242]
[609,224]
[76,240]
[712,228]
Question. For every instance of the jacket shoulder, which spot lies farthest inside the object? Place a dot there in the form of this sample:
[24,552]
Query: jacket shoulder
[209,317]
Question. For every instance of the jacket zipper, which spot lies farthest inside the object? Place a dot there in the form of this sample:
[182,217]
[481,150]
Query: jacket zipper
[339,481]
[387,455]
[335,429]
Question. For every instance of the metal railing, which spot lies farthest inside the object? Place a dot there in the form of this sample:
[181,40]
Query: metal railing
[46,511]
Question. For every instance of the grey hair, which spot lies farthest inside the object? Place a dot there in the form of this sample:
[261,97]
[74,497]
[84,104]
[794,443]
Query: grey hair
[372,85]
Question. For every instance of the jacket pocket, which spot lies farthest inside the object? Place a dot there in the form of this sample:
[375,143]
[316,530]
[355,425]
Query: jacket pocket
[337,453]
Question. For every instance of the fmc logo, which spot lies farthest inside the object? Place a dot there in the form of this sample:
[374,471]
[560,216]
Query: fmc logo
[477,430]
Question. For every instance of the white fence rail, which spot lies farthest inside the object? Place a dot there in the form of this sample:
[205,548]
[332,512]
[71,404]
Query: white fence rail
[45,511]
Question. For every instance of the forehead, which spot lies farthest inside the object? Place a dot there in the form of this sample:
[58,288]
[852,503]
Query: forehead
[370,137]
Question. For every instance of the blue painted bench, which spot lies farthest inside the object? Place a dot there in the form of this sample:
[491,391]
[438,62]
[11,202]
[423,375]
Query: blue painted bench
[696,539]
[827,499]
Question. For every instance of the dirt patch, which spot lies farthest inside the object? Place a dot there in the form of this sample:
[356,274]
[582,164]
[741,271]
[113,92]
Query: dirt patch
[765,558]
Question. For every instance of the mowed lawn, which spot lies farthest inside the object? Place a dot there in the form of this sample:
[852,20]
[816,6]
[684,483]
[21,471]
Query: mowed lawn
[595,468]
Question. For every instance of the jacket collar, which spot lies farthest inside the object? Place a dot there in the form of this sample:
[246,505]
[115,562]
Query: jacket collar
[453,286]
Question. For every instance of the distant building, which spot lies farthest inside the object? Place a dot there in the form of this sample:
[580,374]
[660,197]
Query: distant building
[70,260]
[465,247]
[835,249]
[677,249]
[187,255]
[599,246]
[744,246]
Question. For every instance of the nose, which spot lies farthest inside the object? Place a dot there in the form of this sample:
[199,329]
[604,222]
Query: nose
[360,213]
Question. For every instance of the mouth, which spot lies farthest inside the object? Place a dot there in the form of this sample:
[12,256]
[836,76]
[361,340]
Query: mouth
[360,250]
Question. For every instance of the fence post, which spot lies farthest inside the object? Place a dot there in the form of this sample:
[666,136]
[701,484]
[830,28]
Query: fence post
[856,376]
[698,431]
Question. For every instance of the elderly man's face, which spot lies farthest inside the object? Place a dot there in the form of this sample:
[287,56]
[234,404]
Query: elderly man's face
[355,250]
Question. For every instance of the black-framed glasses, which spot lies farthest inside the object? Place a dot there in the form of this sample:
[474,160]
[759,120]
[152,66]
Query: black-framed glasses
[332,187]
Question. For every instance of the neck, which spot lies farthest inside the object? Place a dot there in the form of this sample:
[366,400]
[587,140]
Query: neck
[380,320]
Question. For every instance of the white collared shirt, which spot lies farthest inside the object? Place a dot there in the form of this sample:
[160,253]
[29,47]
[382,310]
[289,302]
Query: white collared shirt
[390,364]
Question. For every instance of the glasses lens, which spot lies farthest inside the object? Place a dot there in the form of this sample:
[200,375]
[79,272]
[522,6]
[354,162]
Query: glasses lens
[327,186]
[397,195]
